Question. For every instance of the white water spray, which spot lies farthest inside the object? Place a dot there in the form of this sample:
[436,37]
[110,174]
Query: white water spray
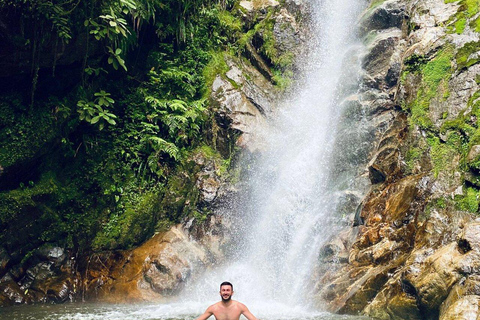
[285,222]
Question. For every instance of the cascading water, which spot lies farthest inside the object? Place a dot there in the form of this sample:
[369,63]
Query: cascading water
[288,216]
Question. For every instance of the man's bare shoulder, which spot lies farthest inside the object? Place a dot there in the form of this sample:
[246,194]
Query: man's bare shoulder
[215,306]
[241,306]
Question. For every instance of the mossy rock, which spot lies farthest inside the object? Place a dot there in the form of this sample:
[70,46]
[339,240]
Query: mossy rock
[468,55]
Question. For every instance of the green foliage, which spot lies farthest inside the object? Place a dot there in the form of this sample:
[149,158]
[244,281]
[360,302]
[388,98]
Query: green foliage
[115,59]
[113,151]
[97,112]
[46,15]
[435,75]
[180,119]
[282,79]
[229,22]
[22,134]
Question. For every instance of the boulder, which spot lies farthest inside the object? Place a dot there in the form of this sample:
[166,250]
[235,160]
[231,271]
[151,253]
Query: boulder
[387,14]
[242,107]
[465,308]
[157,269]
[463,300]
[11,291]
[287,35]
[474,153]
[382,61]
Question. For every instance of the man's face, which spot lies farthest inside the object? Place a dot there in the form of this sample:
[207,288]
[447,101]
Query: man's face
[226,293]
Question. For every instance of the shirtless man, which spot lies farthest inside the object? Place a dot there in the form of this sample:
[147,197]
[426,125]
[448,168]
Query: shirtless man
[227,309]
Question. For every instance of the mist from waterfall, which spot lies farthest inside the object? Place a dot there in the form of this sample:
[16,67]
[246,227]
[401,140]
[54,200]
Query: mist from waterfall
[290,211]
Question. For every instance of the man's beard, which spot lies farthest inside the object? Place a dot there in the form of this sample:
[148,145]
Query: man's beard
[226,300]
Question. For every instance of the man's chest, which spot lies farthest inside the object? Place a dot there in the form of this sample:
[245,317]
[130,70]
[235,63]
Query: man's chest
[233,314]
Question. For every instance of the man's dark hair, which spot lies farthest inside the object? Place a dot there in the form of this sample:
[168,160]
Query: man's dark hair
[226,283]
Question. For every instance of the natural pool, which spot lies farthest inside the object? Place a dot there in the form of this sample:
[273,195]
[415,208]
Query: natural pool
[90,311]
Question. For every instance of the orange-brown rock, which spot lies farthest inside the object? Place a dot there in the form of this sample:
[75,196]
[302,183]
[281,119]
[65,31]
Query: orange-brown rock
[151,272]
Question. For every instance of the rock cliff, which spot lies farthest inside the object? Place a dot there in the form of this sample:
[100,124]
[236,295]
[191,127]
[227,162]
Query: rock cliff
[412,250]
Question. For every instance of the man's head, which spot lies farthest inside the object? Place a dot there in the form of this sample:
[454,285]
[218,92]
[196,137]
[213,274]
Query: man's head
[226,291]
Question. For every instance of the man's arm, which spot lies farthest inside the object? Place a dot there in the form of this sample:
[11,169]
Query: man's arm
[206,315]
[247,313]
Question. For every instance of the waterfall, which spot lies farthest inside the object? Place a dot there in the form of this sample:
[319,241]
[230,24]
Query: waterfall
[291,210]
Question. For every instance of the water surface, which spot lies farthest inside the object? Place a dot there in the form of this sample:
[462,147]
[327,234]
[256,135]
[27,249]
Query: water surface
[182,311]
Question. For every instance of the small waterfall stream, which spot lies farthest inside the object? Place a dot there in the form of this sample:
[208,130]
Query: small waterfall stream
[291,210]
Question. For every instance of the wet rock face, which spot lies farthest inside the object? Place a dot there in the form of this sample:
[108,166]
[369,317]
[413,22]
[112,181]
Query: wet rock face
[243,98]
[388,14]
[245,95]
[413,249]
[159,268]
[48,276]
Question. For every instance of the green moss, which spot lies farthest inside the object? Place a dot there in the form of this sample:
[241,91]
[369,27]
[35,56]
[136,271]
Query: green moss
[143,213]
[435,205]
[472,6]
[216,66]
[475,25]
[412,156]
[50,210]
[375,3]
[132,225]
[468,201]
[414,63]
[442,154]
[464,53]
[460,25]
[435,75]
[467,10]
[438,69]
[440,203]
[466,127]
[246,38]
[13,203]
